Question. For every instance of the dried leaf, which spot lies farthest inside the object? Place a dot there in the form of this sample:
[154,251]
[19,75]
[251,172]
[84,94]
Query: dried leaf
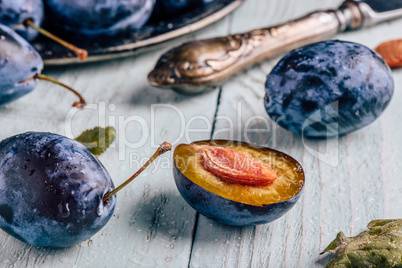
[380,246]
[391,51]
[98,139]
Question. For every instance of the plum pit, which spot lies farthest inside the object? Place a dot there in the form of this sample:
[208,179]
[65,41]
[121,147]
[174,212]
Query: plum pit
[233,166]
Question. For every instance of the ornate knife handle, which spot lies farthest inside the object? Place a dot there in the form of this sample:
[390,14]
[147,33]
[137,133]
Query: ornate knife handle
[195,66]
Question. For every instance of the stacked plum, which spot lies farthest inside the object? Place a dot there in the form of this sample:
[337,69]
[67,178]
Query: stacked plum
[166,9]
[328,89]
[91,17]
[19,64]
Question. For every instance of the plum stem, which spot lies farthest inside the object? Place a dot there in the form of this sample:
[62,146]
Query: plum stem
[77,104]
[82,54]
[164,147]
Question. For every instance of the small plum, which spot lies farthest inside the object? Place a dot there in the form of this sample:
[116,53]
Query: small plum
[328,88]
[20,67]
[26,18]
[168,9]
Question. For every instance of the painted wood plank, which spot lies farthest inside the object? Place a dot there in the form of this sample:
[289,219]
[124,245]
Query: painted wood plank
[152,225]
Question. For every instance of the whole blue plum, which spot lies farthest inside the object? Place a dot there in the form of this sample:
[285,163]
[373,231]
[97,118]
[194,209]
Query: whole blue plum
[51,190]
[19,63]
[227,211]
[99,17]
[14,13]
[328,88]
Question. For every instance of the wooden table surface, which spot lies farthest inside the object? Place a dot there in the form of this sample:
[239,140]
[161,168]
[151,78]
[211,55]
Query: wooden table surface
[350,180]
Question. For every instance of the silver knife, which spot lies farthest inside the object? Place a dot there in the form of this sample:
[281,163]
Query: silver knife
[202,64]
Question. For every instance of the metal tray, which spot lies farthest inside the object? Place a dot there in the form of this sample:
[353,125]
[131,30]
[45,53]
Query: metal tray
[151,36]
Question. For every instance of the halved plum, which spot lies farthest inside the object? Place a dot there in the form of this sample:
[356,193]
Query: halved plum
[237,183]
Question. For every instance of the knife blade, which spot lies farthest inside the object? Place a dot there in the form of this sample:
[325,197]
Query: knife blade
[203,64]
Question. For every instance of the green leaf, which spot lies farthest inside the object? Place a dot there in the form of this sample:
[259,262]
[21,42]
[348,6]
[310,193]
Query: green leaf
[380,246]
[98,139]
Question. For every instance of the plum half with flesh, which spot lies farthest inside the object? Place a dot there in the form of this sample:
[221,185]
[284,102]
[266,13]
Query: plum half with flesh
[237,183]
[328,88]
